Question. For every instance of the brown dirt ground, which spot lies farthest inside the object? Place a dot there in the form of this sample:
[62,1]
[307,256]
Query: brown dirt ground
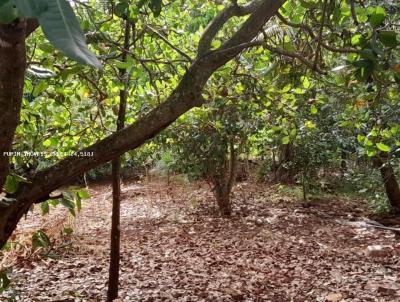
[175,248]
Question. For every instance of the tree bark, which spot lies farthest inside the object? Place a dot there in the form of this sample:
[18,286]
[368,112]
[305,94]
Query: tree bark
[224,181]
[115,251]
[390,182]
[186,96]
[12,73]
[283,171]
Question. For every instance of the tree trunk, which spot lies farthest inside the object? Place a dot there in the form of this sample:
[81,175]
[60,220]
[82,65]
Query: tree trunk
[113,277]
[224,181]
[187,95]
[115,250]
[283,172]
[12,73]
[390,182]
[224,204]
[343,162]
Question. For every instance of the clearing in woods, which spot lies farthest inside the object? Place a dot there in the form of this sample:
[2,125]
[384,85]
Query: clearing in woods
[175,249]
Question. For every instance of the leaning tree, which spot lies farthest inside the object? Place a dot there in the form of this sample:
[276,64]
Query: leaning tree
[25,16]
[251,28]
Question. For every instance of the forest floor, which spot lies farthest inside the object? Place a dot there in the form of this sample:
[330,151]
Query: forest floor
[176,248]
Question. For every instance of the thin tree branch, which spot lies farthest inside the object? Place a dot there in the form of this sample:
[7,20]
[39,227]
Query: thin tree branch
[220,20]
[182,53]
[308,29]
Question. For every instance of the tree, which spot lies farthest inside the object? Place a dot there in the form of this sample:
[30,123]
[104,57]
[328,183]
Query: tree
[187,94]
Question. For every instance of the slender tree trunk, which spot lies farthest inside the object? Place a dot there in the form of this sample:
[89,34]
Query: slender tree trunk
[284,173]
[224,203]
[113,280]
[223,184]
[343,162]
[390,182]
[12,73]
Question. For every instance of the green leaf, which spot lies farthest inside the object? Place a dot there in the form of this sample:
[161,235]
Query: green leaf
[40,239]
[314,109]
[308,4]
[11,184]
[45,208]
[310,125]
[62,29]
[156,6]
[7,247]
[4,280]
[368,54]
[84,194]
[368,142]
[285,140]
[8,12]
[377,16]
[39,88]
[69,204]
[383,147]
[29,8]
[68,231]
[121,9]
[371,153]
[78,202]
[306,82]
[388,38]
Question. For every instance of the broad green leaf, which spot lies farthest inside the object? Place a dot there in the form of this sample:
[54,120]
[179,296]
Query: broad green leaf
[11,184]
[368,142]
[314,109]
[371,153]
[121,9]
[368,53]
[68,203]
[78,202]
[45,208]
[84,194]
[39,88]
[62,29]
[310,125]
[285,140]
[40,239]
[356,39]
[388,38]
[308,4]
[4,280]
[8,12]
[383,147]
[377,17]
[68,231]
[156,6]
[306,82]
[31,8]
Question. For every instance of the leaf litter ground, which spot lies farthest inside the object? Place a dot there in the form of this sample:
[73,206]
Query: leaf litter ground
[176,248]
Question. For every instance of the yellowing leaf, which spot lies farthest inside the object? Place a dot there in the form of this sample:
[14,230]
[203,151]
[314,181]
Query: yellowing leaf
[313,110]
[285,140]
[310,125]
[383,147]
